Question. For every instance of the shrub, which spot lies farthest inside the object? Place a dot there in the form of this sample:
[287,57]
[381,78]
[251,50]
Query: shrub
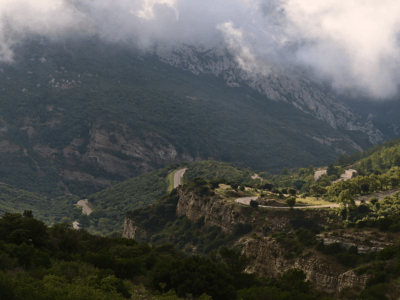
[291,201]
[292,192]
[373,200]
[394,228]
[384,224]
[254,204]
[242,229]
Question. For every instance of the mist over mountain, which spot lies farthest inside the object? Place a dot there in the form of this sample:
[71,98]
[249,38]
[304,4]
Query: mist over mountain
[98,91]
[354,45]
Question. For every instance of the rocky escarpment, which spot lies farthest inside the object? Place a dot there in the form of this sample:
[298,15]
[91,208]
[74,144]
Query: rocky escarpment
[219,213]
[109,151]
[268,259]
[365,242]
[131,231]
[289,84]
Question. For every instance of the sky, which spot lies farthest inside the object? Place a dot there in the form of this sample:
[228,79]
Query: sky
[353,43]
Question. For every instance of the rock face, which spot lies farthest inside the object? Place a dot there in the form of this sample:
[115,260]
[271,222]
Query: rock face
[289,84]
[364,241]
[117,151]
[132,232]
[268,259]
[215,212]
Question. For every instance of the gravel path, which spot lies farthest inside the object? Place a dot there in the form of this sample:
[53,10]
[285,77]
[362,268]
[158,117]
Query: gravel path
[318,174]
[256,176]
[178,176]
[346,176]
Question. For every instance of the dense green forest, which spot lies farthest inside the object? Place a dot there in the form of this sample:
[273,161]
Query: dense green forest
[50,211]
[85,85]
[57,262]
[345,159]
[217,170]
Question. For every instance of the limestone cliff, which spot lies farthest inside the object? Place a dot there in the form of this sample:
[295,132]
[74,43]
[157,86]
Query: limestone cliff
[215,212]
[133,232]
[289,84]
[268,259]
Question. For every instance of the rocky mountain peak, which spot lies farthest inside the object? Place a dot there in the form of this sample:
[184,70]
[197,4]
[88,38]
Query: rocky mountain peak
[290,84]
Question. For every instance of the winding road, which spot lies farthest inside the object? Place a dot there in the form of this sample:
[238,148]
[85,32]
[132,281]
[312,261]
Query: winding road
[379,195]
[178,176]
[85,207]
[246,201]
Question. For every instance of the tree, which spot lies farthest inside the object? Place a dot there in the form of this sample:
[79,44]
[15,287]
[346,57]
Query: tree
[234,185]
[84,221]
[365,188]
[254,204]
[331,170]
[295,280]
[345,197]
[373,200]
[292,192]
[291,201]
[27,214]
[285,171]
[311,169]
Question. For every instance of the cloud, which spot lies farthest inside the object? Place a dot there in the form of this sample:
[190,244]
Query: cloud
[147,10]
[244,55]
[355,43]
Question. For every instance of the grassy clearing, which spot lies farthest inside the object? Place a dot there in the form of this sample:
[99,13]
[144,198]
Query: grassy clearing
[170,181]
[311,201]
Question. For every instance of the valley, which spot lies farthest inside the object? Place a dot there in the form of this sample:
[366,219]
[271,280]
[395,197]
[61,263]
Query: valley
[211,166]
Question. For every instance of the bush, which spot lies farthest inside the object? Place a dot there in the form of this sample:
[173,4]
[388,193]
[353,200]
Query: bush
[254,204]
[384,224]
[242,229]
[386,253]
[394,228]
[373,200]
[291,201]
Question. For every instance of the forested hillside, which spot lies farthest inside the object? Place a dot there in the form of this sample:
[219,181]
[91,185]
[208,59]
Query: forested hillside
[345,159]
[77,117]
[110,205]
[38,263]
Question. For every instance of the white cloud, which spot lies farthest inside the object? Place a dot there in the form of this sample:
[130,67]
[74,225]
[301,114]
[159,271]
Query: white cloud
[147,10]
[356,36]
[353,42]
[235,38]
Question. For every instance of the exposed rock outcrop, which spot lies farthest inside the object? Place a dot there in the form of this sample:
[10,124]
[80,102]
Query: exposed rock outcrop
[131,231]
[268,259]
[289,84]
[215,212]
[364,241]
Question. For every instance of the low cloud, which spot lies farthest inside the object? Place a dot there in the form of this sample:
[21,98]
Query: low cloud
[354,43]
